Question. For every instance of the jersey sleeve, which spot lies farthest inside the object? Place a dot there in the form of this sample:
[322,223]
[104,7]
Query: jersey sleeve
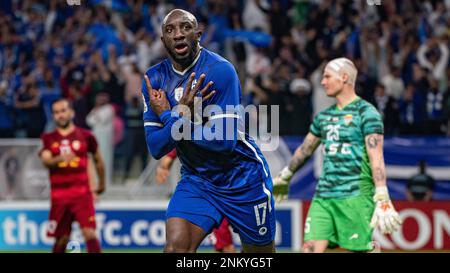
[371,121]
[227,86]
[45,143]
[315,127]
[92,143]
[150,118]
[172,154]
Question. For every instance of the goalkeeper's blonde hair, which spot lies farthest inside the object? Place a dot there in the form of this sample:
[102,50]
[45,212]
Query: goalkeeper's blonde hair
[344,65]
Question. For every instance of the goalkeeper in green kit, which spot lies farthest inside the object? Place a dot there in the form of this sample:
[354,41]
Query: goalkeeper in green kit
[351,197]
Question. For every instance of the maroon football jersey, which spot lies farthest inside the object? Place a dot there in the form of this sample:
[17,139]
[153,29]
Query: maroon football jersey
[70,180]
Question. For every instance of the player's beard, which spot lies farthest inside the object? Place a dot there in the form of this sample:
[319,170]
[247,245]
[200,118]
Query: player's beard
[184,61]
[63,124]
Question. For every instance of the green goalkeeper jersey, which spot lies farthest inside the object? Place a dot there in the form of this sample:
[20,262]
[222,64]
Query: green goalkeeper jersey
[346,169]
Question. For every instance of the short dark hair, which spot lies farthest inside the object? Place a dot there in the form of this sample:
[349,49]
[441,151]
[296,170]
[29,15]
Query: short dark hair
[60,100]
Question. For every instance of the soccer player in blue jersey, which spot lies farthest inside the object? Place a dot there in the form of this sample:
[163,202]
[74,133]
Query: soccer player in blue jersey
[225,176]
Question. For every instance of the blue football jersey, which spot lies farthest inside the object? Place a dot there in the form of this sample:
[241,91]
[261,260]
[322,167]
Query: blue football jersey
[239,169]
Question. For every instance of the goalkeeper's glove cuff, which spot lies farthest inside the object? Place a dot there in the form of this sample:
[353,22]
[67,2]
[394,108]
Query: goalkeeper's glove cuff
[286,174]
[381,194]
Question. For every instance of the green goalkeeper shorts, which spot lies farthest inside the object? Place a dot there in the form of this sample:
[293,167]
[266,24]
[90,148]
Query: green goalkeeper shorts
[342,222]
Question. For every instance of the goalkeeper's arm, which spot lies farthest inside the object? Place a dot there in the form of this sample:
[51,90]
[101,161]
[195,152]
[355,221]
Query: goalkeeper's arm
[384,215]
[301,156]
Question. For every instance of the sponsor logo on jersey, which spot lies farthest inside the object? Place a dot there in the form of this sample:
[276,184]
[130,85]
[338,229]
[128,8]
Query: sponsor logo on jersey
[347,119]
[76,145]
[178,93]
[65,147]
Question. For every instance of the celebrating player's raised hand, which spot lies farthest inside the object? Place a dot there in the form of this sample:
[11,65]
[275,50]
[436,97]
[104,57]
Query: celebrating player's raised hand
[157,98]
[190,93]
[385,216]
[281,184]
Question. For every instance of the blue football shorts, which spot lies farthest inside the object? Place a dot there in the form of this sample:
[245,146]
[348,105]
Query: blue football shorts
[250,211]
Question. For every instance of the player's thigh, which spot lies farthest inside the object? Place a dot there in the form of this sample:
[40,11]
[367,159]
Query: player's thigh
[319,224]
[352,219]
[190,216]
[60,220]
[252,216]
[182,236]
[84,213]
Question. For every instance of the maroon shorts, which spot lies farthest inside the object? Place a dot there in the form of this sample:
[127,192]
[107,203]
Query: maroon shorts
[223,235]
[63,213]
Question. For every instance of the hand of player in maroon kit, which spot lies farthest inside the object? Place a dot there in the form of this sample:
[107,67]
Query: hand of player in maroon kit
[67,157]
[95,193]
[162,174]
[100,189]
[157,98]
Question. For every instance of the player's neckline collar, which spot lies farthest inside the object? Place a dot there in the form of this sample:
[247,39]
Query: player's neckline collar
[65,135]
[352,102]
[182,73]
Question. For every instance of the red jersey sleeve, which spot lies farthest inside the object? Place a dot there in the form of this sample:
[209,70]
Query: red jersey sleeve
[172,154]
[92,144]
[45,143]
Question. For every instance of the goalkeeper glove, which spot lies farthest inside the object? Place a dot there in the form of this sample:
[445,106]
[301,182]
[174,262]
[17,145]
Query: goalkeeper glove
[384,215]
[281,184]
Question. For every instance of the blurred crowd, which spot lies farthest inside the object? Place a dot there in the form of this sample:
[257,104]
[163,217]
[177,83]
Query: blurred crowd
[95,55]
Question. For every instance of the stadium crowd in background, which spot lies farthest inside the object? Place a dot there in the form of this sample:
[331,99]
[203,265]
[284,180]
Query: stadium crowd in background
[95,55]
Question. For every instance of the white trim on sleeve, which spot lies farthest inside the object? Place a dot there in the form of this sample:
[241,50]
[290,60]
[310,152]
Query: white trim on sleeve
[149,123]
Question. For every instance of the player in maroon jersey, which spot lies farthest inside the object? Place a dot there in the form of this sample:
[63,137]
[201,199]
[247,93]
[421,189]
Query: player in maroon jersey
[223,238]
[65,154]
